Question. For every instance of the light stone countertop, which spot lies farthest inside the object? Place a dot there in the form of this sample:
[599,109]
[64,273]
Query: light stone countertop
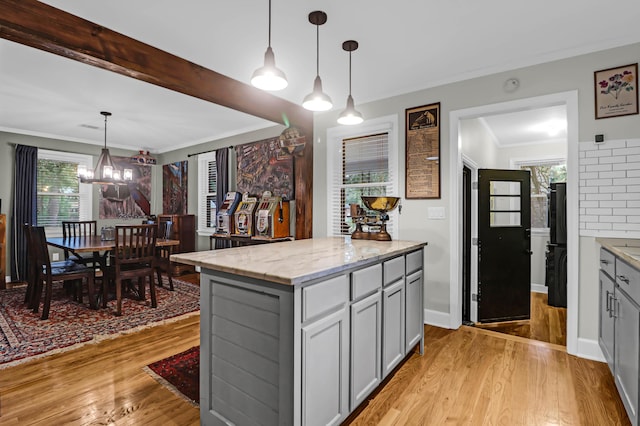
[295,262]
[627,249]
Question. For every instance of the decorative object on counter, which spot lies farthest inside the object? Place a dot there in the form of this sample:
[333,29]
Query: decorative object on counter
[143,158]
[105,172]
[292,141]
[243,223]
[268,77]
[225,214]
[174,188]
[616,91]
[422,135]
[317,100]
[272,217]
[377,226]
[130,201]
[350,115]
[262,166]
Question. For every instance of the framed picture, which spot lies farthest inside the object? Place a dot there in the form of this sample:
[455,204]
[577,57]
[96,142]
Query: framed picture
[422,166]
[616,91]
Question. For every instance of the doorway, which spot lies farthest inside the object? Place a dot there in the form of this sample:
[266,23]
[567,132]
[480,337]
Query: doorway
[569,100]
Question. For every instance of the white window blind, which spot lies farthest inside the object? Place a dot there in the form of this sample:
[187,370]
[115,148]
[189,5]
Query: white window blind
[361,163]
[207,184]
[60,196]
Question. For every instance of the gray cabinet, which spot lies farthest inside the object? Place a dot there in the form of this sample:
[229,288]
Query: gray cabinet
[393,323]
[619,328]
[607,320]
[325,370]
[414,326]
[366,344]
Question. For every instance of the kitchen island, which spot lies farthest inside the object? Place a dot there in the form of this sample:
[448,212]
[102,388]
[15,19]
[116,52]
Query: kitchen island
[301,332]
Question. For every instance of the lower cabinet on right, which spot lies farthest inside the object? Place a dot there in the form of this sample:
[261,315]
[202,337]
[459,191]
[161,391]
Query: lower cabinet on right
[619,329]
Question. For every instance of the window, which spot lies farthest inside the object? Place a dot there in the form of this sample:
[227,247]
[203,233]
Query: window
[207,188]
[60,196]
[361,161]
[543,173]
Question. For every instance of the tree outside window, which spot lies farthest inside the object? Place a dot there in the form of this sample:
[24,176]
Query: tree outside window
[543,174]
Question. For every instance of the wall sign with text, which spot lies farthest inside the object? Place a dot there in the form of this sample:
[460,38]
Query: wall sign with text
[422,136]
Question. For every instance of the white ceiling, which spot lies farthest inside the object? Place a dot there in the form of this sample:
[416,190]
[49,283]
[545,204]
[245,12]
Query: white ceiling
[405,45]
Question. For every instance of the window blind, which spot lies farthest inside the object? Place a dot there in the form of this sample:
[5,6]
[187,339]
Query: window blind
[207,183]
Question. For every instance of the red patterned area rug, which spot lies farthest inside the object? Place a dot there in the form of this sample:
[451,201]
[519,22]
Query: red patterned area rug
[180,374]
[24,336]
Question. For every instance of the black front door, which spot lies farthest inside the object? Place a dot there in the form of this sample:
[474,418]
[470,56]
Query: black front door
[504,245]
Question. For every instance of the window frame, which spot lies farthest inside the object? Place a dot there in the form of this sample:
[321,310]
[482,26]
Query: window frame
[335,136]
[84,190]
[203,193]
[517,163]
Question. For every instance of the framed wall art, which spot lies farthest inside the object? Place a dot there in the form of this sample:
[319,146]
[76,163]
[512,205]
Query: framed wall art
[422,166]
[616,91]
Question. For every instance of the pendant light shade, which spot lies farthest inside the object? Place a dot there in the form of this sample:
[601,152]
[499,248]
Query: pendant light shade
[269,77]
[317,100]
[350,115]
[105,172]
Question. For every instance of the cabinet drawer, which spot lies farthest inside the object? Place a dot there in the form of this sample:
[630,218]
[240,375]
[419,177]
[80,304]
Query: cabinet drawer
[324,297]
[366,281]
[393,270]
[414,261]
[628,278]
[608,262]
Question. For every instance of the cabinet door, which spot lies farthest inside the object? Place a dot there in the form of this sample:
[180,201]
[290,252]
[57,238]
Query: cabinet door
[392,326]
[366,345]
[414,327]
[626,352]
[606,329]
[325,370]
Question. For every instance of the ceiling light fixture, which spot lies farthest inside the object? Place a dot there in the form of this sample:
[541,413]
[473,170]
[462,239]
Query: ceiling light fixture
[350,115]
[269,77]
[317,100]
[105,173]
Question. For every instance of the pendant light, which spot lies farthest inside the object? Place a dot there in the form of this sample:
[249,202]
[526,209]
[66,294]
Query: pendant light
[350,115]
[317,100]
[105,173]
[269,77]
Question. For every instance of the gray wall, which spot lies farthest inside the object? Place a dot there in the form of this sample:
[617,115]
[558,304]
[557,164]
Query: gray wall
[544,79]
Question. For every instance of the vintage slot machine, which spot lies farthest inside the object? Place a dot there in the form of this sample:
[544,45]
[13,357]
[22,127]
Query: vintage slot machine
[243,223]
[224,217]
[272,217]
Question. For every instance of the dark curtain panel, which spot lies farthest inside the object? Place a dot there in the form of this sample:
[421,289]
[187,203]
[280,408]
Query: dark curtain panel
[24,207]
[222,166]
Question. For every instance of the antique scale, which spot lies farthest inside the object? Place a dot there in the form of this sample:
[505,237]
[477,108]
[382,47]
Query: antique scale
[376,226]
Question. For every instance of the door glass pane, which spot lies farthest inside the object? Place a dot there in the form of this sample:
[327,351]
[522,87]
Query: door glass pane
[503,219]
[501,187]
[505,203]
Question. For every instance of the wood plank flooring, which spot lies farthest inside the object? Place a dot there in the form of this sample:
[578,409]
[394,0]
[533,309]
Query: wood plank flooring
[467,376]
[547,323]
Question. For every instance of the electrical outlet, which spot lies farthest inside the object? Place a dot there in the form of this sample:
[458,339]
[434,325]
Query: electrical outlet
[55,256]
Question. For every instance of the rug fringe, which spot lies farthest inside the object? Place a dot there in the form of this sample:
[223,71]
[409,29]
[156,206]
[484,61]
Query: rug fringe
[169,386]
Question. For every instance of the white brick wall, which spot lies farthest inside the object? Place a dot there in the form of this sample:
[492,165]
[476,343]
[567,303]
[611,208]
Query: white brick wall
[609,174]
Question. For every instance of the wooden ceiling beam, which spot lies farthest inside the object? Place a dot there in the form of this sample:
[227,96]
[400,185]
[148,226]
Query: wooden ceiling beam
[44,27]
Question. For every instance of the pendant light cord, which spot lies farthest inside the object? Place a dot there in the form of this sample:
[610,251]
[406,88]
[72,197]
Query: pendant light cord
[349,73]
[317,50]
[269,23]
[105,131]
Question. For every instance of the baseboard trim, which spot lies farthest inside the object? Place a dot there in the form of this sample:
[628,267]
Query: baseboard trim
[437,319]
[590,349]
[539,288]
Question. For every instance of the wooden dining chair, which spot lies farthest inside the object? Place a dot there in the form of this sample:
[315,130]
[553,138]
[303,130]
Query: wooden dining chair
[82,229]
[45,272]
[163,253]
[134,256]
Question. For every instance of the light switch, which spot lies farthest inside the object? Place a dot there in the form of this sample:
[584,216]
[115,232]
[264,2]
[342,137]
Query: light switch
[435,212]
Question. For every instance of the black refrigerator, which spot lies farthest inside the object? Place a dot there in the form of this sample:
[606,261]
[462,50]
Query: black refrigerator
[556,255]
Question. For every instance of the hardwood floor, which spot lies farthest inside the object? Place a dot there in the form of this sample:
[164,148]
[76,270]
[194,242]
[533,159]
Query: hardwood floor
[467,376]
[547,323]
